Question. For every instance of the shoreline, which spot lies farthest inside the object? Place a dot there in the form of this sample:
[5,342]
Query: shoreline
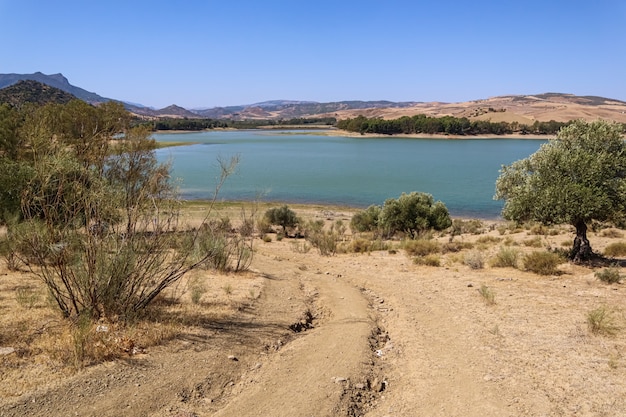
[330,131]
[312,206]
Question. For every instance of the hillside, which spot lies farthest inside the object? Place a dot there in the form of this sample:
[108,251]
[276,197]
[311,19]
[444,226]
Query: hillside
[29,91]
[524,109]
[54,80]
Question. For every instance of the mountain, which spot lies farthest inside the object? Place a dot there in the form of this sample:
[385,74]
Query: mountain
[525,109]
[289,109]
[29,91]
[53,80]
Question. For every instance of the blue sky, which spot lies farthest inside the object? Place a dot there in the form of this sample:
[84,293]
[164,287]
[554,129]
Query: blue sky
[217,53]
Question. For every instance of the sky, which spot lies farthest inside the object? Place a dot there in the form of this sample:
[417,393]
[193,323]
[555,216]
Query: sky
[211,53]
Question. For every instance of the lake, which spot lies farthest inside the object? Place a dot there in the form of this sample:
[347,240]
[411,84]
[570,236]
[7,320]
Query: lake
[307,167]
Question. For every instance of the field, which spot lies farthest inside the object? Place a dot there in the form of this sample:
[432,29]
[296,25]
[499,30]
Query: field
[450,326]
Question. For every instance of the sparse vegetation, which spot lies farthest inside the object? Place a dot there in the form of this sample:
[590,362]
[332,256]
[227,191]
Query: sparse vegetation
[421,247]
[542,263]
[487,294]
[428,260]
[601,322]
[609,275]
[474,259]
[615,249]
[505,258]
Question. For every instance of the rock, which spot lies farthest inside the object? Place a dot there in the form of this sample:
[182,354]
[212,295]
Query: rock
[233,358]
[6,350]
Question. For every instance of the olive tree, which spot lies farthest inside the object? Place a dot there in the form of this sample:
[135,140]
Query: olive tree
[578,177]
[413,213]
[282,216]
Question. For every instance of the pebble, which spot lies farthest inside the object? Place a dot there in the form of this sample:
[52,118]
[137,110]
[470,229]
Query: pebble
[6,350]
[233,358]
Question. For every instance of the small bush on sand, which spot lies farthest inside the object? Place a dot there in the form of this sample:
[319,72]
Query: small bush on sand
[615,249]
[534,242]
[488,239]
[474,227]
[456,246]
[474,260]
[421,247]
[428,260]
[600,321]
[488,295]
[505,258]
[542,263]
[609,275]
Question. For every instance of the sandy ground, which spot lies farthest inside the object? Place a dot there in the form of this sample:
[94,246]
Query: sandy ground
[384,337]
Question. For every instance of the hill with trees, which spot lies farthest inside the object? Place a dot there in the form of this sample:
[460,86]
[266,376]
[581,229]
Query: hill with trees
[29,91]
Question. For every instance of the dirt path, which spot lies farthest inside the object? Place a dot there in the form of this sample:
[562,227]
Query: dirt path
[389,339]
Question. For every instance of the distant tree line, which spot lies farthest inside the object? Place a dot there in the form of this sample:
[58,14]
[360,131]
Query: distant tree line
[202,124]
[448,125]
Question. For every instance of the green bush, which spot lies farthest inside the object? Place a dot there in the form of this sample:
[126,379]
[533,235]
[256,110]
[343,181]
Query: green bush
[615,249]
[282,216]
[600,321]
[365,220]
[542,263]
[413,214]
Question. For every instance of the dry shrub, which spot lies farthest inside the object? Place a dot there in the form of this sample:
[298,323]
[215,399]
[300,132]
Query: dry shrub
[613,233]
[609,275]
[540,229]
[534,242]
[456,246]
[542,263]
[488,239]
[428,260]
[361,245]
[487,294]
[615,249]
[473,226]
[474,260]
[421,247]
[505,258]
[601,321]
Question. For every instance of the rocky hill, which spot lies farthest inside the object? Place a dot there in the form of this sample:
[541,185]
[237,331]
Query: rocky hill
[29,91]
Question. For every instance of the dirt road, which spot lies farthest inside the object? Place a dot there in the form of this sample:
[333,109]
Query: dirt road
[377,336]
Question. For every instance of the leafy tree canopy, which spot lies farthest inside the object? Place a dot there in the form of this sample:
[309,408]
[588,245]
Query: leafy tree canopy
[578,177]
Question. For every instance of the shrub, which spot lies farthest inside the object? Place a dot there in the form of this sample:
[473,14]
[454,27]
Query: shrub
[534,242]
[413,214]
[615,249]
[488,239]
[421,247]
[614,233]
[474,260]
[542,263]
[428,260]
[505,258]
[609,275]
[600,321]
[365,220]
[281,216]
[488,295]
[456,246]
[474,227]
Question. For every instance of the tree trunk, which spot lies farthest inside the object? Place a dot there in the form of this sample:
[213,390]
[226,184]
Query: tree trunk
[581,251]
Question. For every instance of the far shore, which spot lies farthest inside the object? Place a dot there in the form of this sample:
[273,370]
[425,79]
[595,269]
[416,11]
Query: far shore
[331,131]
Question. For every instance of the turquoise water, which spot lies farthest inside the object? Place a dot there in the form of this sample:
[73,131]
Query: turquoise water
[302,167]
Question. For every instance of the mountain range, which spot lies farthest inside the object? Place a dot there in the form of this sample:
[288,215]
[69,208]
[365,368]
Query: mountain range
[512,108]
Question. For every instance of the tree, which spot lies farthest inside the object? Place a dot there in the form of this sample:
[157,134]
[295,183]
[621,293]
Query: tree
[578,177]
[282,216]
[413,213]
[99,223]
